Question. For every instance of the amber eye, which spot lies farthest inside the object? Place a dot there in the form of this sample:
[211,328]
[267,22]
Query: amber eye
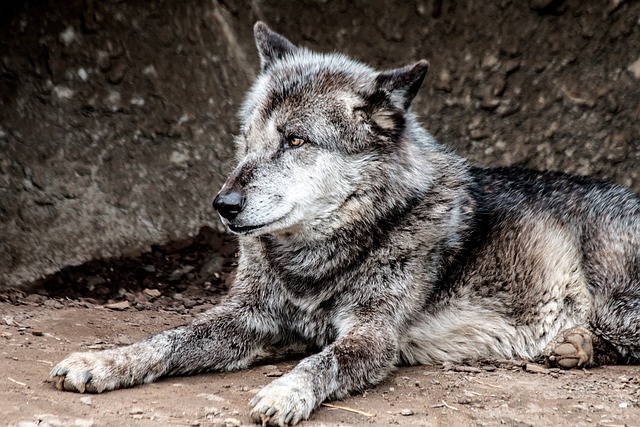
[295,141]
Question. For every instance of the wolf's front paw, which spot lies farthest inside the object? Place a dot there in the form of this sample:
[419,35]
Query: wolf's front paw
[283,402]
[87,372]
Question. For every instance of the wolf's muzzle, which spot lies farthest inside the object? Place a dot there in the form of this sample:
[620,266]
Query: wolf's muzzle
[229,203]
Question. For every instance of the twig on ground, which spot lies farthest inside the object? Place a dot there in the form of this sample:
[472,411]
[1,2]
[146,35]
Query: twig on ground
[344,408]
[448,406]
[483,383]
[16,381]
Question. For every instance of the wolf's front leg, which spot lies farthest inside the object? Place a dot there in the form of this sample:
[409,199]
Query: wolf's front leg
[361,358]
[221,339]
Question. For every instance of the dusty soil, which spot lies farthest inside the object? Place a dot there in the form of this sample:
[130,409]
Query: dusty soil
[34,337]
[116,302]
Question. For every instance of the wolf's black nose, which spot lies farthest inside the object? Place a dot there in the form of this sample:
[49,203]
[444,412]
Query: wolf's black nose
[229,203]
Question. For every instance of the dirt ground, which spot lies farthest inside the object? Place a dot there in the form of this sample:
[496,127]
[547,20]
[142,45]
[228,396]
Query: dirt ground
[34,337]
[116,302]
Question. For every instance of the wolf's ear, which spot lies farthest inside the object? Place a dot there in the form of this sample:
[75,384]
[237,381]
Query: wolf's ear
[402,84]
[271,45]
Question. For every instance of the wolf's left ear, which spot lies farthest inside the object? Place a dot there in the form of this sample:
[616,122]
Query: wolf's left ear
[402,84]
[271,45]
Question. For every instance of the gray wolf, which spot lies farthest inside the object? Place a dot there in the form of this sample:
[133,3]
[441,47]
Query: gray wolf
[362,236]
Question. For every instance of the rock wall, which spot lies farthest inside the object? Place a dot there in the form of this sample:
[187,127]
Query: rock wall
[116,117]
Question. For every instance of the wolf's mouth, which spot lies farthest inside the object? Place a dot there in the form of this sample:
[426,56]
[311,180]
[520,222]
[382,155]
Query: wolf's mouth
[245,228]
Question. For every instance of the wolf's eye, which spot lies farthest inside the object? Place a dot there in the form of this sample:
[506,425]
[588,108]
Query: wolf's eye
[295,141]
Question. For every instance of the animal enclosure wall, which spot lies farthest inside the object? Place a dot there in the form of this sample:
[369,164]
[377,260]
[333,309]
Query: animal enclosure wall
[116,118]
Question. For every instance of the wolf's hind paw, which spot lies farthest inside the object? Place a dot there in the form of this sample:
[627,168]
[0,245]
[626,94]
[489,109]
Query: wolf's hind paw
[572,348]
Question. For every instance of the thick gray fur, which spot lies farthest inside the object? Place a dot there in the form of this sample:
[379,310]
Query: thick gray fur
[362,236]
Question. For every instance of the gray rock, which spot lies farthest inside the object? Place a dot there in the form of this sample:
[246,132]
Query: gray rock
[136,410]
[536,369]
[153,293]
[122,305]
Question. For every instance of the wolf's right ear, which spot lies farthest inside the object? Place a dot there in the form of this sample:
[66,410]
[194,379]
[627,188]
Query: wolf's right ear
[271,45]
[402,84]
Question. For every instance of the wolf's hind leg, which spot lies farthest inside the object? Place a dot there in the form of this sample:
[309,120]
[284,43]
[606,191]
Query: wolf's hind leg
[578,347]
[616,318]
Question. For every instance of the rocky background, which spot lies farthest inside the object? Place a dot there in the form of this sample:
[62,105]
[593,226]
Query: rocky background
[116,117]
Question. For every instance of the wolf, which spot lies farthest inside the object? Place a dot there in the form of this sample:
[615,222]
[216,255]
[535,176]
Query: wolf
[363,237]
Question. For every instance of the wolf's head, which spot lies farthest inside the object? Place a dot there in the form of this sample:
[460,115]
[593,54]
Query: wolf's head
[322,137]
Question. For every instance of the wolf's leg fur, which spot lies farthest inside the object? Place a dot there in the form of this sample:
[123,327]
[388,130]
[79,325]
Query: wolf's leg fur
[616,318]
[362,357]
[219,339]
[613,332]
[613,261]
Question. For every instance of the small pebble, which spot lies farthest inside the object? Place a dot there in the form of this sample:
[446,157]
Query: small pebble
[49,420]
[407,412]
[212,412]
[536,369]
[153,293]
[122,305]
[86,400]
[464,400]
[8,320]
